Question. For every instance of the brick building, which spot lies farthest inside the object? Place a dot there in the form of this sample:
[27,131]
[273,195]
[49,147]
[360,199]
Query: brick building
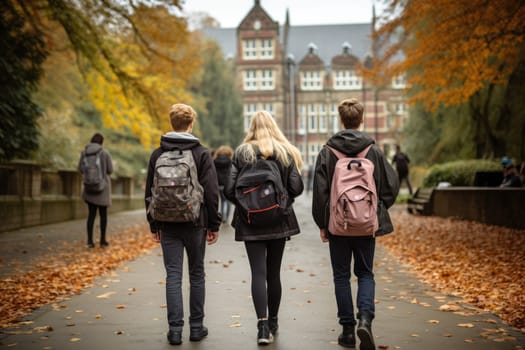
[301,73]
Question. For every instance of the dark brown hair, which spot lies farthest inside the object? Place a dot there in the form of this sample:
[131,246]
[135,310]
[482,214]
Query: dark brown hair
[351,113]
[97,138]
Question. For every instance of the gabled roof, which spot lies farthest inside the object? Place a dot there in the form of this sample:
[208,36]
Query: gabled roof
[328,38]
[257,12]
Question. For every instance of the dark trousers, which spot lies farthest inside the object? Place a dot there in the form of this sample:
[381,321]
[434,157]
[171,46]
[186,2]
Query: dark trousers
[265,263]
[103,212]
[406,178]
[342,249]
[173,242]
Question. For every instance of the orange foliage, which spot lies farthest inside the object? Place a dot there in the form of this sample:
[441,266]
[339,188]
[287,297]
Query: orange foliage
[452,48]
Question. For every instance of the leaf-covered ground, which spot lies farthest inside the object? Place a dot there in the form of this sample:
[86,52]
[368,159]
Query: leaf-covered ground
[67,270]
[483,264]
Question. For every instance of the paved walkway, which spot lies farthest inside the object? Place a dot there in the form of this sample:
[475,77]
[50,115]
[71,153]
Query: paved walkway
[407,311]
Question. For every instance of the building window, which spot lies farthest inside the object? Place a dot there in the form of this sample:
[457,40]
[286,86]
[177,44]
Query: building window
[334,117]
[266,81]
[268,107]
[254,49]
[250,80]
[399,82]
[311,80]
[347,80]
[312,118]
[301,129]
[249,110]
[323,124]
[400,108]
[260,79]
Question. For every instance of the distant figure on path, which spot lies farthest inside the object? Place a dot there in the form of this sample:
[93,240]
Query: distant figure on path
[401,162]
[359,247]
[223,163]
[95,165]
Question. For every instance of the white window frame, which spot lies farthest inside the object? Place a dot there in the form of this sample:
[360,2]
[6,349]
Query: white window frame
[323,120]
[250,81]
[399,81]
[347,80]
[334,117]
[266,79]
[311,80]
[254,49]
[266,49]
[249,49]
[249,110]
[312,118]
[301,122]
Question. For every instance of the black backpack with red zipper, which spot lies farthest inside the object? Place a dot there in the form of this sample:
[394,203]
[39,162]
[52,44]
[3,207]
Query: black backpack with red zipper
[261,198]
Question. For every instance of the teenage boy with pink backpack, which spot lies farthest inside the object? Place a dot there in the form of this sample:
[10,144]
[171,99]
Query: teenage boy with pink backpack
[354,185]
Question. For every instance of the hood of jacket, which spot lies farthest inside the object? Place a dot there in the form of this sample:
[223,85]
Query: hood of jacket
[92,148]
[180,140]
[222,161]
[350,141]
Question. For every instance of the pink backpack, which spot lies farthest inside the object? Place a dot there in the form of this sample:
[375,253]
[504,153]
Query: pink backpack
[353,196]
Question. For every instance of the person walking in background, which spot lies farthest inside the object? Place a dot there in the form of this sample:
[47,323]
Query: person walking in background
[401,162]
[350,142]
[183,227]
[511,176]
[95,165]
[265,243]
[223,163]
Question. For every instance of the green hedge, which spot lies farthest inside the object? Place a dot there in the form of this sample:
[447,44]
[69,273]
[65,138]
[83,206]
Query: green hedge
[458,173]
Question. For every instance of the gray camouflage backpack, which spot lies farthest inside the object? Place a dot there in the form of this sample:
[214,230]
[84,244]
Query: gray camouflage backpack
[177,194]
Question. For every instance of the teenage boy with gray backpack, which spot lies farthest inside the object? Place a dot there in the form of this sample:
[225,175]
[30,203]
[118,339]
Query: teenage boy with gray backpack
[354,185]
[181,198]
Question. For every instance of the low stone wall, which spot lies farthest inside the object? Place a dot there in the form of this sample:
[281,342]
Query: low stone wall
[490,205]
[30,195]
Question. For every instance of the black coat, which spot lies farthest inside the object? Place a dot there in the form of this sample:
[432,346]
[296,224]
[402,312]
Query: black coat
[351,142]
[223,166]
[207,178]
[284,229]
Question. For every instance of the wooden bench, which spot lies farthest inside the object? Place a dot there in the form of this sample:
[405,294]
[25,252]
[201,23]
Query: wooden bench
[421,202]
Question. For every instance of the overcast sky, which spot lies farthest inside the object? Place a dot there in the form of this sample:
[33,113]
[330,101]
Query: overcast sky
[229,13]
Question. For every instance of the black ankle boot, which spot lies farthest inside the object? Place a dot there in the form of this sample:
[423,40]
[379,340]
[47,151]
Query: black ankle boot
[273,324]
[264,337]
[364,332]
[347,337]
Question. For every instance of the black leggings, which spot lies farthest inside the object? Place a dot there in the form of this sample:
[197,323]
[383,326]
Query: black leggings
[103,211]
[265,262]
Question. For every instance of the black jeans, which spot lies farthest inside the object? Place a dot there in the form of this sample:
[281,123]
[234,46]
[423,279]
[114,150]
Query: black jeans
[265,263]
[342,249]
[192,239]
[103,211]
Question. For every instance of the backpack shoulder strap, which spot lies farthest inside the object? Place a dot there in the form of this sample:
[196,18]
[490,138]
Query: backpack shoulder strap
[337,153]
[364,152]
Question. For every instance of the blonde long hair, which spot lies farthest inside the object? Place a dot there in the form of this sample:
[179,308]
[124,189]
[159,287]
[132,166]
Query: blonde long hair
[269,139]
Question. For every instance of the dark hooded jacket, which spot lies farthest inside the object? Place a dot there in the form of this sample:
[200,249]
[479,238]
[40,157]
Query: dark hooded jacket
[351,142]
[284,229]
[209,217]
[103,198]
[223,166]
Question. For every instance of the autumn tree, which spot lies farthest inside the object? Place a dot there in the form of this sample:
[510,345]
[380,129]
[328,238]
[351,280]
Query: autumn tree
[133,55]
[464,55]
[220,113]
[23,51]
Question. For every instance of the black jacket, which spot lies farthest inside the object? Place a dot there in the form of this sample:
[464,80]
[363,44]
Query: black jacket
[288,227]
[209,218]
[351,142]
[223,166]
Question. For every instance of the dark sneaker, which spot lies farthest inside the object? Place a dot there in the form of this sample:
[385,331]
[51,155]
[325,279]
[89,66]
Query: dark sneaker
[347,337]
[91,245]
[364,332]
[198,333]
[175,337]
[273,324]
[264,337]
[104,244]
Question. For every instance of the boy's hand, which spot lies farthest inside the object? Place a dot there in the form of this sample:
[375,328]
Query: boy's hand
[212,237]
[324,238]
[156,237]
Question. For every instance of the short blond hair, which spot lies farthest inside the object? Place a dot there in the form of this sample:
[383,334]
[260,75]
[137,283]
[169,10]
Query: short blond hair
[351,113]
[181,116]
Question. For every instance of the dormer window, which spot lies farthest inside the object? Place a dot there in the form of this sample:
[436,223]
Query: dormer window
[311,80]
[399,82]
[347,80]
